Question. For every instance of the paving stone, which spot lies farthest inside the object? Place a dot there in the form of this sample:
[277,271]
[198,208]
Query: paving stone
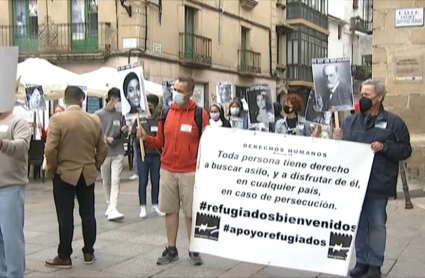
[38,266]
[242,270]
[127,249]
[103,261]
[187,270]
[404,269]
[271,271]
[32,248]
[142,266]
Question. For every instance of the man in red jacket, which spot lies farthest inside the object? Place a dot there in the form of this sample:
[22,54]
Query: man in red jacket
[179,135]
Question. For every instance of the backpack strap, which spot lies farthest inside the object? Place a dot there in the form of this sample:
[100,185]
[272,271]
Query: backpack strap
[162,119]
[198,118]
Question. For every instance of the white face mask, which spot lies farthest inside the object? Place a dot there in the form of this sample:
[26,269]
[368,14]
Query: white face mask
[178,98]
[234,111]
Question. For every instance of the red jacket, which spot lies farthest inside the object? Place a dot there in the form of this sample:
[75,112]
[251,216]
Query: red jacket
[181,139]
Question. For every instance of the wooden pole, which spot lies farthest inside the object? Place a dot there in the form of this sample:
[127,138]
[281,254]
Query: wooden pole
[336,113]
[142,145]
[39,122]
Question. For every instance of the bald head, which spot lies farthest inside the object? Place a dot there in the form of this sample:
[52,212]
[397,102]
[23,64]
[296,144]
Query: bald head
[330,73]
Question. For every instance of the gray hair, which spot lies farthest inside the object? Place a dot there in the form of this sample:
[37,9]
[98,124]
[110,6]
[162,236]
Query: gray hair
[378,85]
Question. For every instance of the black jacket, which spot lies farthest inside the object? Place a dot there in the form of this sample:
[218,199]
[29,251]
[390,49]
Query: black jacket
[390,130]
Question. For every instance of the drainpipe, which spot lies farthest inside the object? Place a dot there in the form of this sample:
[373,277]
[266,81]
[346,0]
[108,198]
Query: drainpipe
[270,53]
[146,26]
[117,25]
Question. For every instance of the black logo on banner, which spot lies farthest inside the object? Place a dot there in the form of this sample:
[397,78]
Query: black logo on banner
[339,245]
[207,226]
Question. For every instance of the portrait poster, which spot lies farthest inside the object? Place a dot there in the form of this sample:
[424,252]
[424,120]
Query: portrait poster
[133,93]
[8,70]
[167,92]
[333,83]
[224,92]
[198,94]
[36,101]
[260,104]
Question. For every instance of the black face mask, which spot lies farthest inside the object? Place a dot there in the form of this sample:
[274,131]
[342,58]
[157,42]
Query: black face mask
[365,104]
[287,109]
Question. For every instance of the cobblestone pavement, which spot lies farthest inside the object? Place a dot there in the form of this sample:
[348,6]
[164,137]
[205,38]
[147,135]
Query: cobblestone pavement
[130,248]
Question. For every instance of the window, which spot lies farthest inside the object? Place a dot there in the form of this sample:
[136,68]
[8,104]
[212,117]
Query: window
[25,14]
[355,4]
[367,10]
[314,11]
[85,25]
[241,92]
[189,30]
[244,47]
[302,47]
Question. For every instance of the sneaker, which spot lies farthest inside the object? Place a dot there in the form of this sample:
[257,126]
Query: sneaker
[142,212]
[134,177]
[89,258]
[195,258]
[108,211]
[359,270]
[155,209]
[169,255]
[373,272]
[59,263]
[115,215]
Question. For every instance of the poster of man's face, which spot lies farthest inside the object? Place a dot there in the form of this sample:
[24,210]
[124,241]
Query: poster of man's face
[333,83]
[260,105]
[35,98]
[224,92]
[133,96]
[167,92]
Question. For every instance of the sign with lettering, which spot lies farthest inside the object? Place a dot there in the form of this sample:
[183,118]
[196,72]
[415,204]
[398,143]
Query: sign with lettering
[408,69]
[409,17]
[297,199]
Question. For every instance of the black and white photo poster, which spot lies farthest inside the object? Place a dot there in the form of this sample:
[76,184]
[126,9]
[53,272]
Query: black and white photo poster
[260,104]
[333,83]
[314,111]
[84,89]
[35,98]
[133,94]
[167,92]
[224,92]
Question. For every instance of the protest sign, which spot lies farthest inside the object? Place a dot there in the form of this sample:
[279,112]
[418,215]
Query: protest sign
[8,68]
[297,199]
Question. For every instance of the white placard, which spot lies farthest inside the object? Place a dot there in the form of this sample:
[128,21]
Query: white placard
[8,69]
[409,17]
[129,43]
[264,191]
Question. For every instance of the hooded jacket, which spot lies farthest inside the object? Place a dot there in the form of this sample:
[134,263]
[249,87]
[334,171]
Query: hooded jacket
[180,139]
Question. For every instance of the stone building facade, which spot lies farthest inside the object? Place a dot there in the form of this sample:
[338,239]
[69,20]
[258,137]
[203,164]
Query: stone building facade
[397,57]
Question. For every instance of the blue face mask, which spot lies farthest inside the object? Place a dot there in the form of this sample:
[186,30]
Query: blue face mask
[178,98]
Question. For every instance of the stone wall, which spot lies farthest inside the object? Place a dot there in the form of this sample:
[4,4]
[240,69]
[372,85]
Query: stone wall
[406,100]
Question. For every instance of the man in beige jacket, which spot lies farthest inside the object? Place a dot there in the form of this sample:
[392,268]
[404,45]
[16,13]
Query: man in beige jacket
[75,150]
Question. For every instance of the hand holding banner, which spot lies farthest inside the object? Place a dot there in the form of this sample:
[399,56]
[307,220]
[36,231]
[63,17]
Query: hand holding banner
[271,192]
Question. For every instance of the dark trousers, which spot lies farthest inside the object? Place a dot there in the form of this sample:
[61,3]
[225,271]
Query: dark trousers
[152,165]
[64,195]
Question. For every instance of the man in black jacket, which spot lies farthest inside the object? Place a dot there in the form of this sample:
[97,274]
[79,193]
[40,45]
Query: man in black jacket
[390,140]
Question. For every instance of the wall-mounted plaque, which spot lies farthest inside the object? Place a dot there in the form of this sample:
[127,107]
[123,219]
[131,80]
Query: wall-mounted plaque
[409,17]
[408,69]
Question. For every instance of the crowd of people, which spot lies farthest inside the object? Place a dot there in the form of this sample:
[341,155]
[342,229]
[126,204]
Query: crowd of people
[79,145]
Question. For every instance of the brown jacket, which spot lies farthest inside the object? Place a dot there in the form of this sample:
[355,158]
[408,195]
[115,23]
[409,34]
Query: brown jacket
[75,145]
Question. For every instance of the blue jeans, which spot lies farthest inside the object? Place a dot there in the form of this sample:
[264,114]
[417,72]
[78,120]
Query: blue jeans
[152,165]
[372,232]
[135,157]
[12,240]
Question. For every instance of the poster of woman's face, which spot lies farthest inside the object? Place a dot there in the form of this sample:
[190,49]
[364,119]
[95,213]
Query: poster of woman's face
[260,104]
[133,97]
[35,98]
[167,92]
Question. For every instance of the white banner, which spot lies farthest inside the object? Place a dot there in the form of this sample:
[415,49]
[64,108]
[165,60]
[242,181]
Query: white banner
[296,200]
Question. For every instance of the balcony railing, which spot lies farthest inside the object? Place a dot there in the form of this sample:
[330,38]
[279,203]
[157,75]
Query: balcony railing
[195,49]
[299,72]
[249,62]
[361,73]
[298,9]
[362,25]
[63,38]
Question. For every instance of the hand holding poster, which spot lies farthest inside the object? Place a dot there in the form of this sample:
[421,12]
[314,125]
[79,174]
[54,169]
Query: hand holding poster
[333,83]
[35,98]
[272,193]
